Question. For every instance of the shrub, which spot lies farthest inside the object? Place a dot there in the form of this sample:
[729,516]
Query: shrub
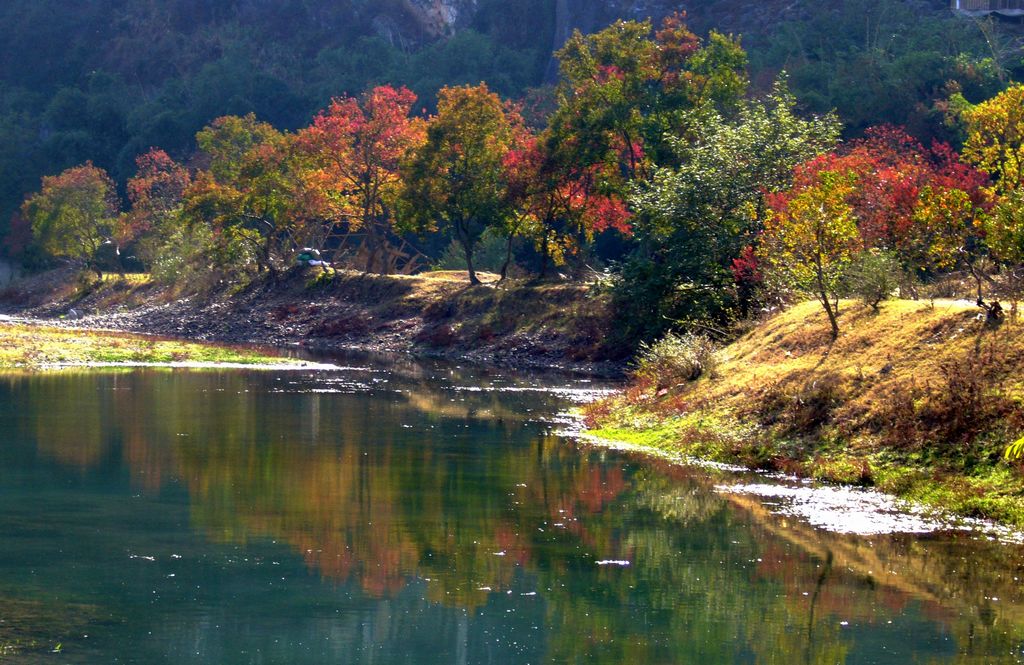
[488,256]
[676,359]
[812,405]
[874,276]
[1015,451]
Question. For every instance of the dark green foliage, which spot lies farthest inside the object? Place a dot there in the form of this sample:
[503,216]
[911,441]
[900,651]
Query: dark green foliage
[694,220]
[106,80]
[888,61]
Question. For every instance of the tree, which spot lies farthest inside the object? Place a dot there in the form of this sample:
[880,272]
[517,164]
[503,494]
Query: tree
[995,143]
[156,193]
[558,205]
[255,196]
[456,179]
[158,185]
[1004,235]
[873,277]
[923,205]
[228,140]
[624,87]
[75,213]
[693,220]
[811,236]
[355,149]
[995,137]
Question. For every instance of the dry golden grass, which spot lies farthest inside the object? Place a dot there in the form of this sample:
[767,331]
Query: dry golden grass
[920,399]
[906,340]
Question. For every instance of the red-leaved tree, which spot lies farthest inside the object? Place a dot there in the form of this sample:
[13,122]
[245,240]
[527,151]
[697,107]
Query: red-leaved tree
[354,150]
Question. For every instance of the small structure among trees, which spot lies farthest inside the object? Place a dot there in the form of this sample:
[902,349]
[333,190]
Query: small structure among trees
[986,7]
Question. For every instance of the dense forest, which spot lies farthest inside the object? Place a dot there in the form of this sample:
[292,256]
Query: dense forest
[106,80]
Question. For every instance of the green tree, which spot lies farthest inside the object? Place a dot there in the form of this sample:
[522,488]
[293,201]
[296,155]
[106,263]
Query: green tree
[811,237]
[75,214]
[255,196]
[874,276]
[886,62]
[624,87]
[456,181]
[694,219]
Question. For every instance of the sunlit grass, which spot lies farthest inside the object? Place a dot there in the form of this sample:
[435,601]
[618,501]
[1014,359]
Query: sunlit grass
[133,278]
[786,397]
[34,347]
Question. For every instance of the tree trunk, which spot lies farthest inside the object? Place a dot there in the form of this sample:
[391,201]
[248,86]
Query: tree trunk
[977,280]
[265,256]
[508,258]
[545,256]
[372,249]
[468,247]
[826,302]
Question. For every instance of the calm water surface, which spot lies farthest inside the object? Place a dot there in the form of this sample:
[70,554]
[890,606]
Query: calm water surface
[422,514]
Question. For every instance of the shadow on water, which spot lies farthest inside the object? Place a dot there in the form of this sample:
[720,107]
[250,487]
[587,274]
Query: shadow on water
[425,513]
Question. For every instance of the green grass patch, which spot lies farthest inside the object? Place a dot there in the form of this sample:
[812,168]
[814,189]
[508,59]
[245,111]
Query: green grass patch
[34,347]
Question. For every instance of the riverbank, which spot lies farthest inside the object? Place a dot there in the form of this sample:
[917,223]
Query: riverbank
[919,400]
[551,325]
[30,346]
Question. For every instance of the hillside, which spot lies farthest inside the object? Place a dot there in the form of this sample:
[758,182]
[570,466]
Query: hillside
[106,80]
[919,400]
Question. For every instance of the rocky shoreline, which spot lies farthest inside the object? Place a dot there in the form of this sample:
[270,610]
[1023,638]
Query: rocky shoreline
[437,315]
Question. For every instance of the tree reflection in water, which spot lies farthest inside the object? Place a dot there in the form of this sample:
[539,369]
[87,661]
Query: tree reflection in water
[401,485]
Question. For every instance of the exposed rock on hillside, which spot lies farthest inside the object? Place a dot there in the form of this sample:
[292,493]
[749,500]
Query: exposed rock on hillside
[440,18]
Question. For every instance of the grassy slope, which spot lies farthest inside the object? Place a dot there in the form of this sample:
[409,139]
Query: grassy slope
[35,347]
[919,400]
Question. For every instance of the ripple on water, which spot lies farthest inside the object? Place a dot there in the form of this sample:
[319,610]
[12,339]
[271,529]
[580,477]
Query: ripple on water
[574,395]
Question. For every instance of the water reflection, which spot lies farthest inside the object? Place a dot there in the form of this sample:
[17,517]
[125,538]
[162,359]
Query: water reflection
[425,515]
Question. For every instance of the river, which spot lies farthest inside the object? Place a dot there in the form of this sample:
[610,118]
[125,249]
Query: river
[404,512]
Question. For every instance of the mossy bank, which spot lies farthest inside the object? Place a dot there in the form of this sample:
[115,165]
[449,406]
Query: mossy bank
[25,346]
[919,399]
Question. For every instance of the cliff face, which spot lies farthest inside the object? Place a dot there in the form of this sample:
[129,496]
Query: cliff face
[440,18]
[750,18]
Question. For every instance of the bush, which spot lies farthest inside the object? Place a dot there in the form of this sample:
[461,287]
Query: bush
[873,277]
[1015,451]
[192,257]
[489,254]
[676,359]
[813,404]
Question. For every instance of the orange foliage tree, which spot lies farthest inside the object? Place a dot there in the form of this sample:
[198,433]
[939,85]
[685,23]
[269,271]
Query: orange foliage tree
[354,151]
